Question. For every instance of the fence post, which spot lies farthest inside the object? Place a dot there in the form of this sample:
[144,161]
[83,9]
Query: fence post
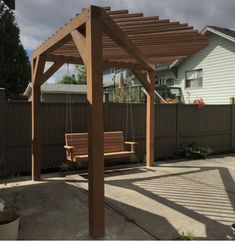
[178,124]
[2,127]
[231,127]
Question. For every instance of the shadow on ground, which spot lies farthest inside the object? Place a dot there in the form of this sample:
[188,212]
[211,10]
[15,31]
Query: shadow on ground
[141,203]
[203,194]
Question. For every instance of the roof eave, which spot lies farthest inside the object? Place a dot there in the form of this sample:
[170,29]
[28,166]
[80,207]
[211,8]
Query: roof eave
[212,30]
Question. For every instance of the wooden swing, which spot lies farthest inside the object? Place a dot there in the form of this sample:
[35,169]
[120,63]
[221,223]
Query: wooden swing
[76,144]
[114,146]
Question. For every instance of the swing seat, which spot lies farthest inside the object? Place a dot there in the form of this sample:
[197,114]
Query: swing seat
[76,145]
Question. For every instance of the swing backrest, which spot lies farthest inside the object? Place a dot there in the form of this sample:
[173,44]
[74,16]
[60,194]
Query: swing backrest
[113,142]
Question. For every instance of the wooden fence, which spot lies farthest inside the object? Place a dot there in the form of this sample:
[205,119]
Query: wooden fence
[213,126]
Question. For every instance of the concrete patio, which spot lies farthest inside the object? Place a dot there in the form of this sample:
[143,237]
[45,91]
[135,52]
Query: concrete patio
[141,203]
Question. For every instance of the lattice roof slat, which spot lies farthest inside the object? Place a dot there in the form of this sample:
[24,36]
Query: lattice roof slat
[158,39]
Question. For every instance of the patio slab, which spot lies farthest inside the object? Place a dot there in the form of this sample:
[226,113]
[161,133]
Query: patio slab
[141,203]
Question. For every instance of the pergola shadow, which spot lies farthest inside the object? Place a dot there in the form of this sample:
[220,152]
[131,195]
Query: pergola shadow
[212,205]
[58,210]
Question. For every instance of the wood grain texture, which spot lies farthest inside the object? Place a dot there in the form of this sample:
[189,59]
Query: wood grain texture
[145,39]
[94,68]
[76,145]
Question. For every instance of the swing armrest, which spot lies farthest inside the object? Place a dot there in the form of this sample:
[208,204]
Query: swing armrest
[69,152]
[132,145]
[67,147]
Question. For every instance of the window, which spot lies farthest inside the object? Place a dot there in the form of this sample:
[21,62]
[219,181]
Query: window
[193,79]
[170,81]
[160,81]
[115,70]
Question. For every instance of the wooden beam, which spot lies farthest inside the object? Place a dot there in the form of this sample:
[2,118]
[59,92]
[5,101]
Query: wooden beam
[37,72]
[163,34]
[121,64]
[62,35]
[64,58]
[117,12]
[150,126]
[80,42]
[129,15]
[38,65]
[106,8]
[147,30]
[134,19]
[142,78]
[51,70]
[95,125]
[151,22]
[78,60]
[115,33]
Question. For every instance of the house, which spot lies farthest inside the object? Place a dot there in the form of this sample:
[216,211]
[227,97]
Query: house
[61,93]
[113,76]
[208,74]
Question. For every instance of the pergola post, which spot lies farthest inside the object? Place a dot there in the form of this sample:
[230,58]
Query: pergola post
[94,67]
[37,73]
[150,131]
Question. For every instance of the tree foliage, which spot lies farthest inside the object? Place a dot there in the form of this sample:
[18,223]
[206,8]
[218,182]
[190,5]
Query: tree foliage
[15,67]
[78,78]
[68,80]
[80,72]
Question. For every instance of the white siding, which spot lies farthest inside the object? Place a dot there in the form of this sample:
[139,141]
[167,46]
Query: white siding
[218,64]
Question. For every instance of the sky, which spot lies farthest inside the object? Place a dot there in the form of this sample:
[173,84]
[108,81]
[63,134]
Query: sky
[39,19]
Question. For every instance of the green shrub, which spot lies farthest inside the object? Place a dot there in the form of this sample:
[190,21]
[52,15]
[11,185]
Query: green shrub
[192,151]
[188,236]
[69,166]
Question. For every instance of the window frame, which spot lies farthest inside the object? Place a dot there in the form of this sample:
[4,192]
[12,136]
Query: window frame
[193,79]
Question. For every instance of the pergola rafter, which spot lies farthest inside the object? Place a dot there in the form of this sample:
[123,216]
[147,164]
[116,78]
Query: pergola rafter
[100,37]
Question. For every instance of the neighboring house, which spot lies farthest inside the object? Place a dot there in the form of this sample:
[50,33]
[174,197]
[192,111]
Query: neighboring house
[165,75]
[61,93]
[113,76]
[208,74]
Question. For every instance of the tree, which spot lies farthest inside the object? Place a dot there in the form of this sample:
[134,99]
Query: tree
[79,77]
[81,74]
[68,80]
[15,69]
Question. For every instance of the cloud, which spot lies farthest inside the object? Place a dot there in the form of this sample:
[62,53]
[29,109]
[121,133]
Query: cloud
[39,19]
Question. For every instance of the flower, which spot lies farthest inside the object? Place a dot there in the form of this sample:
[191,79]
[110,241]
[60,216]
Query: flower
[200,102]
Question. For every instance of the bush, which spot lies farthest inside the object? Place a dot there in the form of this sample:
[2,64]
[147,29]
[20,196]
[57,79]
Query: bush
[192,151]
[69,166]
[188,236]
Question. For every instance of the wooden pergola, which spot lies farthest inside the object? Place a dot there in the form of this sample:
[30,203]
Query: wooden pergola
[98,38]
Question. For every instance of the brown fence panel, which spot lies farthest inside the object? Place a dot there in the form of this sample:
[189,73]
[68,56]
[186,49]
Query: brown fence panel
[58,119]
[18,136]
[209,126]
[129,118]
[213,126]
[165,130]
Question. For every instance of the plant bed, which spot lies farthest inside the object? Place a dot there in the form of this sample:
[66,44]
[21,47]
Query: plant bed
[194,152]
